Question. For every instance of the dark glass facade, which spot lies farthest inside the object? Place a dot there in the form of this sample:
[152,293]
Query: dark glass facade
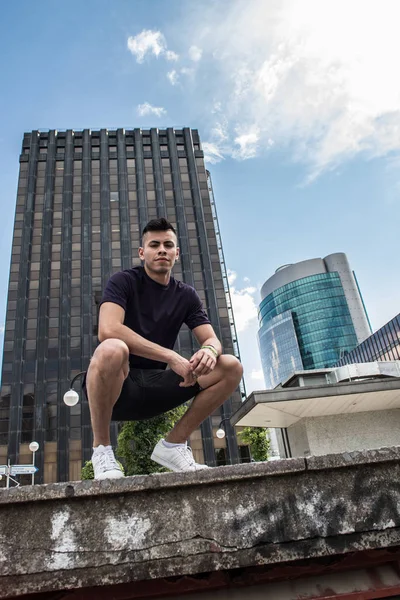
[384,344]
[305,324]
[83,198]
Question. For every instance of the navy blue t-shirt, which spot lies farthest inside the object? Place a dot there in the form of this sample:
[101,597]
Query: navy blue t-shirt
[154,311]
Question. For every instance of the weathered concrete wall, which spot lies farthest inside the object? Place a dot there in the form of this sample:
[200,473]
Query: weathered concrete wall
[345,433]
[62,536]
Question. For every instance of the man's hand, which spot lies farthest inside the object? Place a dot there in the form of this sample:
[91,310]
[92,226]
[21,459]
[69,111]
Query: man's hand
[182,367]
[203,362]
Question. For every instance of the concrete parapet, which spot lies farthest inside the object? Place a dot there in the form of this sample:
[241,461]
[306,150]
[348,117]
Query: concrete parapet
[81,534]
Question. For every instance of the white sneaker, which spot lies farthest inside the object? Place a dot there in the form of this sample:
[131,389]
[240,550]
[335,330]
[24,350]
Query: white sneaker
[104,464]
[176,458]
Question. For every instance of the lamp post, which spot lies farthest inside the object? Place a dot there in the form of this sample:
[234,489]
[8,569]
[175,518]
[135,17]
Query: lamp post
[72,397]
[33,447]
[221,430]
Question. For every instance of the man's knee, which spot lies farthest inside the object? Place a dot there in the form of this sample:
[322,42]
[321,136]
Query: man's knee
[231,367]
[111,355]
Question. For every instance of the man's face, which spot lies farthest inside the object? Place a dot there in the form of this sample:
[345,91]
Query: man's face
[159,251]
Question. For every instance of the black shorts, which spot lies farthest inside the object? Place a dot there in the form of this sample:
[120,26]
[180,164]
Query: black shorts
[147,393]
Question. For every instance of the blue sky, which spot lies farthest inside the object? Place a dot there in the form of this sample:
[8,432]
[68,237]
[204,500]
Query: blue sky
[297,104]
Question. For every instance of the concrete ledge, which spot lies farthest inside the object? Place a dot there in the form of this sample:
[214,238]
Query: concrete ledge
[141,483]
[81,534]
[357,457]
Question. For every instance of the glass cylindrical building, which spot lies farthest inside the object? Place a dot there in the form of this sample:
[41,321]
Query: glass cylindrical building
[310,314]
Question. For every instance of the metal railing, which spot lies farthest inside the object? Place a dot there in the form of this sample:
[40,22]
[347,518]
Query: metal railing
[225,280]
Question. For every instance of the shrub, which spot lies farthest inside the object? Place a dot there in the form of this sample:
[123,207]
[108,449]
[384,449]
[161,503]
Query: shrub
[258,440]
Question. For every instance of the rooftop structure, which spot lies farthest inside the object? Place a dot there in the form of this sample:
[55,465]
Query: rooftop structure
[349,408]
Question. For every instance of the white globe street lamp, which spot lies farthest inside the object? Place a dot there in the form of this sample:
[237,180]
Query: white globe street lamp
[71,398]
[33,447]
[221,433]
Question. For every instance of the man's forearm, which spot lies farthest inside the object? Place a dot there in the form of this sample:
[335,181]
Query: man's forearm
[137,344]
[213,341]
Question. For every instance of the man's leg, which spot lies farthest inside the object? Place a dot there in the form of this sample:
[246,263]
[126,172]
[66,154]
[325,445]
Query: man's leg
[107,371]
[217,387]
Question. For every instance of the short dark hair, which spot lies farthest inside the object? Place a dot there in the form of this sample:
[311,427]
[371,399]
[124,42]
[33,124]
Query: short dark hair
[158,225]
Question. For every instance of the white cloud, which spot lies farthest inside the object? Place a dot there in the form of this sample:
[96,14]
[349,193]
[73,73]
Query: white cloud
[243,303]
[245,314]
[147,109]
[147,41]
[244,145]
[173,77]
[187,71]
[316,77]
[170,55]
[150,42]
[218,145]
[232,276]
[220,131]
[2,327]
[212,154]
[247,143]
[257,375]
[195,53]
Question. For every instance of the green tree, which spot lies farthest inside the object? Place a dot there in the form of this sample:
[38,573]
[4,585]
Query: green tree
[137,439]
[258,440]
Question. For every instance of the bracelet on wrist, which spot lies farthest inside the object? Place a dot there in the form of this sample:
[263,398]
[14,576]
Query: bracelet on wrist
[209,347]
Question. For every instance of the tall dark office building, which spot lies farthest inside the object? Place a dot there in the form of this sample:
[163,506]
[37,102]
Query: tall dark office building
[83,199]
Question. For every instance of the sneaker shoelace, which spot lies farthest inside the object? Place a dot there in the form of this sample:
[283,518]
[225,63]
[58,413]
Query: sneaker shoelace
[188,455]
[107,461]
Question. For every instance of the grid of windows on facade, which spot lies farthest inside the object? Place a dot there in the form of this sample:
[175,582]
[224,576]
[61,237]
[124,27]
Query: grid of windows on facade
[321,317]
[384,344]
[279,349]
[83,198]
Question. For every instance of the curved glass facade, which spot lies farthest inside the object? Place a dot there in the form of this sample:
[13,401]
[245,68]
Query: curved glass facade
[321,320]
[279,349]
